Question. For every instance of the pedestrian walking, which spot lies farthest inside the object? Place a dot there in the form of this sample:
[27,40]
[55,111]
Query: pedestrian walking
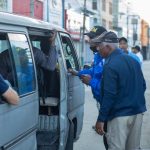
[137,51]
[123,44]
[122,91]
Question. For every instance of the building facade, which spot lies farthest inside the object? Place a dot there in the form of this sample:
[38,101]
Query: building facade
[30,8]
[126,23]
[145,37]
[53,11]
[74,23]
[6,5]
[107,14]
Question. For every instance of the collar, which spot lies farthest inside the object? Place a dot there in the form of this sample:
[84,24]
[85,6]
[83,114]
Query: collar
[117,51]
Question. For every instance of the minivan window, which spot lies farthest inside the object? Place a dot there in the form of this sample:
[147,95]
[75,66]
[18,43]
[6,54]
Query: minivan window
[6,65]
[69,53]
[23,63]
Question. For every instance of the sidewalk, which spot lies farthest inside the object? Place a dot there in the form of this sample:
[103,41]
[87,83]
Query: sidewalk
[145,140]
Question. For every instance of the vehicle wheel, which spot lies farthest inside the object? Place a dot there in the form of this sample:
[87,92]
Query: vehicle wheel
[70,140]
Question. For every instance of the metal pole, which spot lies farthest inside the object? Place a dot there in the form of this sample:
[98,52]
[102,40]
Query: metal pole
[63,13]
[48,11]
[127,26]
[83,31]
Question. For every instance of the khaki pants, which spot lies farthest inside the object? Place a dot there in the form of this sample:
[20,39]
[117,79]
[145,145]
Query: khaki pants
[124,133]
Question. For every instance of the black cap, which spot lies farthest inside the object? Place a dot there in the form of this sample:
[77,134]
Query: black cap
[109,37]
[123,39]
[137,48]
[95,31]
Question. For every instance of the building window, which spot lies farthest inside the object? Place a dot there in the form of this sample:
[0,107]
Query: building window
[103,22]
[110,25]
[110,8]
[104,5]
[95,20]
[3,5]
[94,4]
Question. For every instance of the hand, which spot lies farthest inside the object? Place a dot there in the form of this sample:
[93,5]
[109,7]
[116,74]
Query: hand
[86,79]
[86,67]
[73,72]
[100,128]
[52,38]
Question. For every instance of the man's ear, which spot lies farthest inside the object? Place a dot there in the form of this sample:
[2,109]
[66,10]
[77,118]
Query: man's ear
[108,46]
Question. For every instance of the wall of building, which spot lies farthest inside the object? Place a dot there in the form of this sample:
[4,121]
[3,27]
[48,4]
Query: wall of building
[74,24]
[24,9]
[38,9]
[6,5]
[30,8]
[107,14]
[145,38]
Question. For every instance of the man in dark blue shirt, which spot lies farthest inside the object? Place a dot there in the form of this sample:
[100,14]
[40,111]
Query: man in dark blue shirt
[8,93]
[122,92]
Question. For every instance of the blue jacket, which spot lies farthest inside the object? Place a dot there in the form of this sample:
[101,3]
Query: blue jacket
[3,86]
[122,87]
[96,73]
[133,56]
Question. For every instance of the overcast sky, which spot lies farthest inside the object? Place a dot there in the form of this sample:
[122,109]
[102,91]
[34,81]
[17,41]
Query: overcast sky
[142,7]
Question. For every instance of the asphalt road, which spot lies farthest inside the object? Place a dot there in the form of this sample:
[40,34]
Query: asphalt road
[89,140]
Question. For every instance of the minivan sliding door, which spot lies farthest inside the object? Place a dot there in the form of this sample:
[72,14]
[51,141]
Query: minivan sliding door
[18,123]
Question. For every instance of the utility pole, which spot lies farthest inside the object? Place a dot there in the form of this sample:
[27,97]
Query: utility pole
[82,35]
[63,13]
[48,9]
[128,21]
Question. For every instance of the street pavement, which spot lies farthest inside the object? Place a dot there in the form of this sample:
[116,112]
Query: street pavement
[89,140]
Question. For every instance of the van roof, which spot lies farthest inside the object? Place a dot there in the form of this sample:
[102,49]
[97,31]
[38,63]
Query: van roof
[9,18]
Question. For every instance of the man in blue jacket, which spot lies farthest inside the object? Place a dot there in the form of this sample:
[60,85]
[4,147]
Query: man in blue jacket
[92,76]
[122,95]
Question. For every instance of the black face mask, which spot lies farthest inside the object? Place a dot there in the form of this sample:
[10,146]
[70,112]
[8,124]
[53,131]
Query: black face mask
[94,49]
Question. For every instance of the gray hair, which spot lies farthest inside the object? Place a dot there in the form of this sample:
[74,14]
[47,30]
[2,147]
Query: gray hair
[113,45]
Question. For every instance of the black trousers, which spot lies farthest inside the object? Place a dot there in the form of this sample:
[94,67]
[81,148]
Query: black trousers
[104,137]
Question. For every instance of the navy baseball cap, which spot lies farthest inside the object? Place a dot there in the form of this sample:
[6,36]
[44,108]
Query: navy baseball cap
[137,48]
[95,31]
[108,37]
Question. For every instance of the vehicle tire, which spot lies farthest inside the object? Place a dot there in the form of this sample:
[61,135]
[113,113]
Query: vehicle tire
[70,140]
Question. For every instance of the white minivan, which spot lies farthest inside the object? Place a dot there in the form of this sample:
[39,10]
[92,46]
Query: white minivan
[49,115]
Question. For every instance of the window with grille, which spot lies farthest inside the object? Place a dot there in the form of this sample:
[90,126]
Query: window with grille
[104,22]
[94,4]
[110,8]
[104,5]
[3,5]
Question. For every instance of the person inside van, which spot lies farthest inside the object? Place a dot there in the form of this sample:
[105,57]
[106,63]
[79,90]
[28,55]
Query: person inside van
[42,60]
[8,93]
[47,58]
